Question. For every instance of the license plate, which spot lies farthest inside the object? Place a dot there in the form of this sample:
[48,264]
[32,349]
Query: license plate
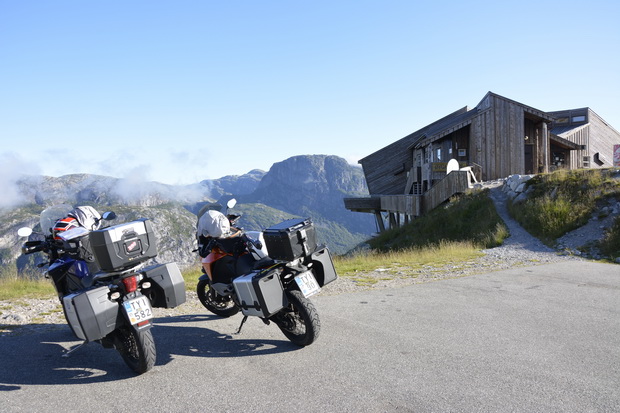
[138,310]
[307,284]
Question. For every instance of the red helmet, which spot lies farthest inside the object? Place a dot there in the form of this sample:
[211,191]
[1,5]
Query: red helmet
[64,224]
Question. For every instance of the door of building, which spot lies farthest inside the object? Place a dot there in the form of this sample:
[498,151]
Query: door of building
[529,159]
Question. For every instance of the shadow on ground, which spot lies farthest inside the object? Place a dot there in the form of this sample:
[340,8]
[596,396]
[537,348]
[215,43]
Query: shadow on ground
[33,355]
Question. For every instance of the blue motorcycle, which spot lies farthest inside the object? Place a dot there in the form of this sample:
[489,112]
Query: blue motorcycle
[106,291]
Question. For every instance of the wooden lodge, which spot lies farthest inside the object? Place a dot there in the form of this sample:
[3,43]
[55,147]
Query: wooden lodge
[497,138]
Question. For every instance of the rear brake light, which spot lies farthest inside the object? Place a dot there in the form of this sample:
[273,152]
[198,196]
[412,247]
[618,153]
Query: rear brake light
[131,284]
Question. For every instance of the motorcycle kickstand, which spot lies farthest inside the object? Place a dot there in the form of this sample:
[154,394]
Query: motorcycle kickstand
[245,317]
[70,351]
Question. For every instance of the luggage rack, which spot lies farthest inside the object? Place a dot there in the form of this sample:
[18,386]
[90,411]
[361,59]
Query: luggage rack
[126,270]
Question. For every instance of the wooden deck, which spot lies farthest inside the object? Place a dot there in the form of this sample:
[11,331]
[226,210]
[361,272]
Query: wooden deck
[411,205]
[366,204]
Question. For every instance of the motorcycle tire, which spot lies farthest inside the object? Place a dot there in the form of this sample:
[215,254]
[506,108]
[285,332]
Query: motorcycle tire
[222,306]
[299,321]
[137,348]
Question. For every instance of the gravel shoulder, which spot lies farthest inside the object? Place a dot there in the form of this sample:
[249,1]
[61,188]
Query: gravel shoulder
[519,249]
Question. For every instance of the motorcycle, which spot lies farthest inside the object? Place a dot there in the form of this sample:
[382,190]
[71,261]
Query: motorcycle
[269,274]
[106,291]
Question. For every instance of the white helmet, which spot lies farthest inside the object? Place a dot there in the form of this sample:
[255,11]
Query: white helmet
[213,224]
[86,216]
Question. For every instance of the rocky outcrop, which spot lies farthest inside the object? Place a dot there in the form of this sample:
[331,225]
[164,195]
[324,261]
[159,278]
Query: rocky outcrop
[304,184]
[515,187]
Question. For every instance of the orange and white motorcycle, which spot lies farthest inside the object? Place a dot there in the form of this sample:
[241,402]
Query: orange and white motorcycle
[268,274]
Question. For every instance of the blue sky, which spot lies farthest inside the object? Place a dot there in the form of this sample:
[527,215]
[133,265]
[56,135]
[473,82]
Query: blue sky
[180,91]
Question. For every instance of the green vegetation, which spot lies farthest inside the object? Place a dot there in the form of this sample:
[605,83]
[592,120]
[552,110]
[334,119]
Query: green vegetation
[469,218]
[448,235]
[439,255]
[191,277]
[565,200]
[610,245]
[13,286]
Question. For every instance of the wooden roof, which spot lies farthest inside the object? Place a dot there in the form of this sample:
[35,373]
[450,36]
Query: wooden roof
[414,137]
[454,122]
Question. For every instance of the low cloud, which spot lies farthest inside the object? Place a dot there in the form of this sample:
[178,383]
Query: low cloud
[135,186]
[12,169]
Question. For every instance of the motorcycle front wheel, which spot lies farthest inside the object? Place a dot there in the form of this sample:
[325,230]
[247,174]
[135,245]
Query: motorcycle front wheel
[217,304]
[299,321]
[136,347]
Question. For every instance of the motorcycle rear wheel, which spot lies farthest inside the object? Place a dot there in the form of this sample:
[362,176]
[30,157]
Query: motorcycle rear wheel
[222,306]
[137,348]
[299,321]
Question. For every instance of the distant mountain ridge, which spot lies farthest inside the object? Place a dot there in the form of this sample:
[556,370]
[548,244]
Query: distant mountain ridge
[306,186]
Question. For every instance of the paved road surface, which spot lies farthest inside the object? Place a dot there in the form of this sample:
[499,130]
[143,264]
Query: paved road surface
[543,338]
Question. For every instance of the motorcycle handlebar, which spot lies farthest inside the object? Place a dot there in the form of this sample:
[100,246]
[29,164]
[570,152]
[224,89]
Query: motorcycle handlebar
[30,247]
[232,218]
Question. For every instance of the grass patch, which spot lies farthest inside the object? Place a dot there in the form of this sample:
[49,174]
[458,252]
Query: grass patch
[470,218]
[444,253]
[610,245]
[564,200]
[191,277]
[33,285]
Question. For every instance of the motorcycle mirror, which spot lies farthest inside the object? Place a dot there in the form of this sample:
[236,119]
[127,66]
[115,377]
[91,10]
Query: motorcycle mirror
[231,203]
[109,215]
[24,232]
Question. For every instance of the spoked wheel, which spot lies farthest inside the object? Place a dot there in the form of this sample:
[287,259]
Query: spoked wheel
[299,321]
[217,304]
[137,348]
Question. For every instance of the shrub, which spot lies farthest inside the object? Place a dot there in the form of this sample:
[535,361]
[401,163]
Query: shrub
[469,217]
[563,201]
[610,245]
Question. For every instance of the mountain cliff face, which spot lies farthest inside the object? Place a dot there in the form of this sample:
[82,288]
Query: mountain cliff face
[234,184]
[304,186]
[314,186]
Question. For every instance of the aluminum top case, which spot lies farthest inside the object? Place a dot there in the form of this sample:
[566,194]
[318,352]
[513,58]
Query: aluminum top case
[123,245]
[290,239]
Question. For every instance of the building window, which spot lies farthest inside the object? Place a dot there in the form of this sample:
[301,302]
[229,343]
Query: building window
[561,120]
[462,152]
[586,162]
[581,118]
